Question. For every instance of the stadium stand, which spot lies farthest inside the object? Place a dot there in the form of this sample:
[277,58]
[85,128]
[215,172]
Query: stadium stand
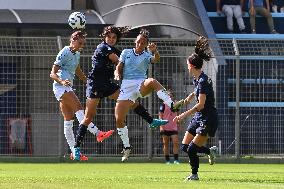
[219,22]
[260,60]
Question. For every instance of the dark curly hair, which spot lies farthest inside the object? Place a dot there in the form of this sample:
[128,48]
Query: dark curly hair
[119,31]
[202,52]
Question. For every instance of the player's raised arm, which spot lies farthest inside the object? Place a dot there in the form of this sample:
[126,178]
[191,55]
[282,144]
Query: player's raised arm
[152,47]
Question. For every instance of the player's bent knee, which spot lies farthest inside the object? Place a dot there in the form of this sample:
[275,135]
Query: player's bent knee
[184,148]
[151,81]
[192,150]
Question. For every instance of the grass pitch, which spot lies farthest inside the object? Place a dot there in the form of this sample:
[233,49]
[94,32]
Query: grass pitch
[139,176]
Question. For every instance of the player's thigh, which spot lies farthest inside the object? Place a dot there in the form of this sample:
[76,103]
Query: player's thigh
[91,107]
[121,109]
[67,111]
[115,95]
[71,100]
[200,140]
[147,86]
[188,137]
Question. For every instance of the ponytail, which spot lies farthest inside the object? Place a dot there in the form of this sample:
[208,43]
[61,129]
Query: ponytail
[202,52]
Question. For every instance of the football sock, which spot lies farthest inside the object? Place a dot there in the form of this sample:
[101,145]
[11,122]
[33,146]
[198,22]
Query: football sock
[91,127]
[81,132]
[176,157]
[141,111]
[69,135]
[203,149]
[79,115]
[123,133]
[193,158]
[167,157]
[163,95]
[184,148]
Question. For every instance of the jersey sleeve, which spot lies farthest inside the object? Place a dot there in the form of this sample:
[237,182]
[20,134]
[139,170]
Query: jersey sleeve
[107,50]
[203,87]
[122,56]
[61,57]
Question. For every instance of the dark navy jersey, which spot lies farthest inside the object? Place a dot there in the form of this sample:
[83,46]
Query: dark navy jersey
[102,67]
[204,85]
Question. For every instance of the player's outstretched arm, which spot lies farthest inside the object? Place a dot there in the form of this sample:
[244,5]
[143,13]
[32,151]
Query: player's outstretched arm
[152,47]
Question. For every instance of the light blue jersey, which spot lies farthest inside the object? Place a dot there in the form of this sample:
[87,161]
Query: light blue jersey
[68,62]
[135,65]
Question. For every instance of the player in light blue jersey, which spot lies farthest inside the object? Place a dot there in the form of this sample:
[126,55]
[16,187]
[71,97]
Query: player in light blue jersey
[132,68]
[63,72]
[100,84]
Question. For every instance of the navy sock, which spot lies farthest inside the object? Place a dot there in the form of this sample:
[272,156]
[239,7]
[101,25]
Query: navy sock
[167,157]
[81,132]
[203,149]
[194,159]
[184,148]
[176,157]
[141,111]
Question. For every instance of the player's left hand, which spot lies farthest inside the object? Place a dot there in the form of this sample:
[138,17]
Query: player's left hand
[152,47]
[117,76]
[178,119]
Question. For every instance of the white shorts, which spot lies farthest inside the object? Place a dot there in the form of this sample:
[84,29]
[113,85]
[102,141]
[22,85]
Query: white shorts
[130,89]
[60,90]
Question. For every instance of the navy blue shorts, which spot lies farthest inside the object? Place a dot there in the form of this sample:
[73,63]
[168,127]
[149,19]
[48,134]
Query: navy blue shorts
[204,125]
[100,89]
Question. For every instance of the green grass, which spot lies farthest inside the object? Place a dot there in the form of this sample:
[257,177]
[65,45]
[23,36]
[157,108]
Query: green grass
[139,176]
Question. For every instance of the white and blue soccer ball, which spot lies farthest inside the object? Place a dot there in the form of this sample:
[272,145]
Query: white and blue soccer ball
[77,20]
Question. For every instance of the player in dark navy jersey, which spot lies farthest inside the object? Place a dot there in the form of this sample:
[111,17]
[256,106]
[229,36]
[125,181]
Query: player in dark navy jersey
[100,82]
[205,119]
[102,65]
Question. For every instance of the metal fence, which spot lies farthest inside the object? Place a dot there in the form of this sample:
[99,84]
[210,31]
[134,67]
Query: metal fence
[248,77]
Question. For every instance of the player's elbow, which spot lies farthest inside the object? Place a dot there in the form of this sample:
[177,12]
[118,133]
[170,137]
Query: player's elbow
[51,75]
[200,107]
[156,60]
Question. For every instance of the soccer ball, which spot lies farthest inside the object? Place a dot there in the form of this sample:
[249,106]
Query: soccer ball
[77,20]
